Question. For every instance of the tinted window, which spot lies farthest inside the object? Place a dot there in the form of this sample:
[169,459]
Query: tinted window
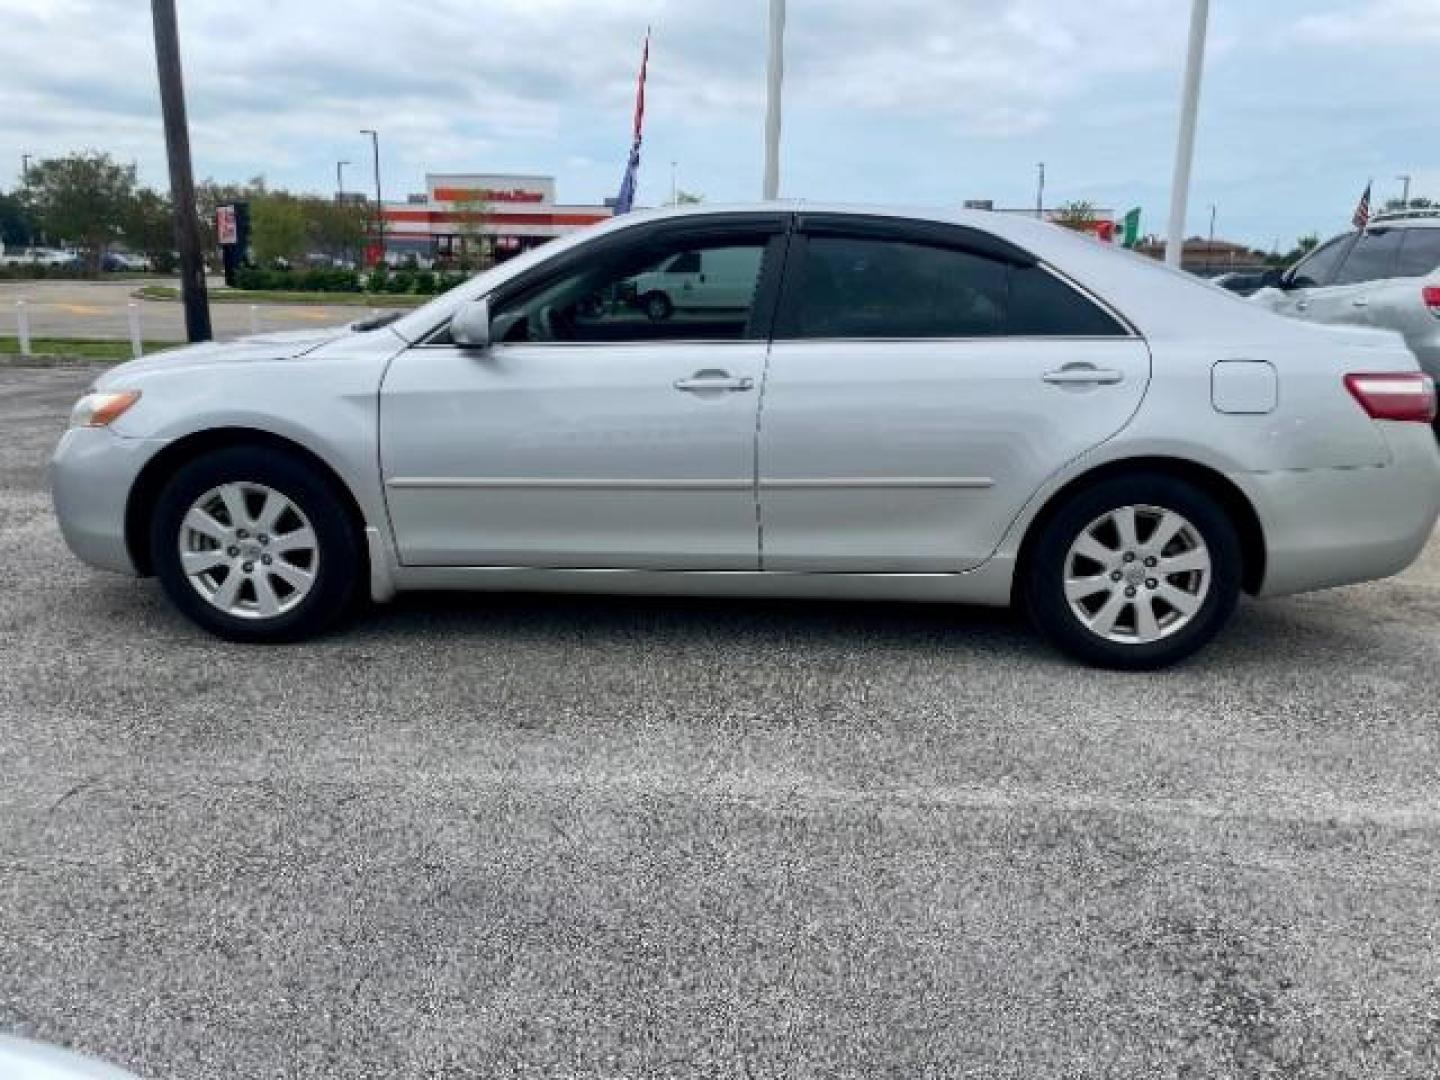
[1041,305]
[635,296]
[1419,252]
[1318,267]
[1372,257]
[857,288]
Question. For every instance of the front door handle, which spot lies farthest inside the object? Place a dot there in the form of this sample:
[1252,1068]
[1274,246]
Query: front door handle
[1084,375]
[1360,301]
[702,381]
[1302,305]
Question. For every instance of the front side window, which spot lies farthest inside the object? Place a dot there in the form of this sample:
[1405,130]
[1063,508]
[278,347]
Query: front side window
[655,292]
[1371,258]
[1419,252]
[869,288]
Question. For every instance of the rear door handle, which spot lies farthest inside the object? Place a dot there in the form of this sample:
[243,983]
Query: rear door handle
[1084,375]
[1302,305]
[702,381]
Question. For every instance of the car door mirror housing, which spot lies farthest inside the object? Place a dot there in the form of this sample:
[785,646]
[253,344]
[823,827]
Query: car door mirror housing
[470,327]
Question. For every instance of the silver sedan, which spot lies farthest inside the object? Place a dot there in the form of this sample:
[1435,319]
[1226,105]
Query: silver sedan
[774,401]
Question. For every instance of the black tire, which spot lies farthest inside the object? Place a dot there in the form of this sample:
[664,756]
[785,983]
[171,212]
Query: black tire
[336,584]
[1043,579]
[658,307]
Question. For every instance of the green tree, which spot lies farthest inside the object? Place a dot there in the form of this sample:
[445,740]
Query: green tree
[336,228]
[16,228]
[149,228]
[1079,215]
[686,198]
[473,243]
[82,199]
[277,228]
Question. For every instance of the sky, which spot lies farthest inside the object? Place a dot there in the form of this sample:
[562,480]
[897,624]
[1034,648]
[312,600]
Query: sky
[915,102]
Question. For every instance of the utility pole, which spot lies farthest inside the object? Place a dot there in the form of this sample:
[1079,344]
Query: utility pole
[340,181]
[1405,195]
[774,82]
[25,170]
[674,190]
[182,180]
[1040,195]
[1185,144]
[379,199]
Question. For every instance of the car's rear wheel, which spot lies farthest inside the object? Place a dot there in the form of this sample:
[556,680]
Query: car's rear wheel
[1137,572]
[658,307]
[255,545]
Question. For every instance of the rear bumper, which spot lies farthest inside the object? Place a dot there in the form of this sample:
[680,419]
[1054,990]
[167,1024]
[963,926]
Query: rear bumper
[91,476]
[1327,527]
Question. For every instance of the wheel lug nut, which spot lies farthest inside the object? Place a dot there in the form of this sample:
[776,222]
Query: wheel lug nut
[232,551]
[248,567]
[1151,561]
[264,539]
[1129,556]
[242,534]
[1151,583]
[1116,576]
[1130,591]
[266,559]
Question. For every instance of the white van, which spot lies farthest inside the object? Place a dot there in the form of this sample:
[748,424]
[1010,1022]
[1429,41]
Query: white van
[716,279]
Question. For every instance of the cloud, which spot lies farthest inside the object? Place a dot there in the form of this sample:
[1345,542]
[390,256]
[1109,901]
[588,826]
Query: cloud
[1376,22]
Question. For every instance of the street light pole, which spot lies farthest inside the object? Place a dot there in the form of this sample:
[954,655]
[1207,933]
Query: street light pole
[182,180]
[379,199]
[1185,144]
[774,82]
[1405,195]
[340,181]
[674,190]
[1040,194]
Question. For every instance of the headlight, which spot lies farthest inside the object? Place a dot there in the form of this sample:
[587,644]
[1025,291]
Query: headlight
[100,408]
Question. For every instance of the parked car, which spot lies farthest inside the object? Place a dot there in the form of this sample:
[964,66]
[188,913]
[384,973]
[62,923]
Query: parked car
[117,261]
[1387,277]
[39,256]
[975,408]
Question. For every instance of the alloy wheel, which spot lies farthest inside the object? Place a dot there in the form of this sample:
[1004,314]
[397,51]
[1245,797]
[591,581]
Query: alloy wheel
[1137,574]
[249,550]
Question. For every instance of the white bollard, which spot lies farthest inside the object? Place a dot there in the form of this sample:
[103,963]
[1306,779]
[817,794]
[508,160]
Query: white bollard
[135,345]
[254,318]
[22,326]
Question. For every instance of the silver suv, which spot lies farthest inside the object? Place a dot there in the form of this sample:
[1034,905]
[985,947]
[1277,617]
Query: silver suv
[1388,277]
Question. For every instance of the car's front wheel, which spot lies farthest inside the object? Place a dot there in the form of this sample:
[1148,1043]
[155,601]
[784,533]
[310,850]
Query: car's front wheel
[1137,572]
[255,545]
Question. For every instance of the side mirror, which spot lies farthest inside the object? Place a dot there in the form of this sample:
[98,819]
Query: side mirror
[470,327]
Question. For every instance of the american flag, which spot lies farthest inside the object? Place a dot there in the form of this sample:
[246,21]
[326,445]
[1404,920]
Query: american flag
[626,199]
[1362,211]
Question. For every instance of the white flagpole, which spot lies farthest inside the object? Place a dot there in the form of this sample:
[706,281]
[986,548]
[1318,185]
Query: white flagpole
[775,77]
[1185,148]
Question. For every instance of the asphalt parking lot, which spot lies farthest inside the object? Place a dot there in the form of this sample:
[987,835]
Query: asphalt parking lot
[519,836]
[100,309]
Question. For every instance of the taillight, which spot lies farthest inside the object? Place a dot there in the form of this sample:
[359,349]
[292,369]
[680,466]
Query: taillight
[1394,395]
[1431,295]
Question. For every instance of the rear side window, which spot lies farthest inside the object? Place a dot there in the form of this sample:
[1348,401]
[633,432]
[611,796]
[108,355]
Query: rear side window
[873,288]
[1419,252]
[1371,258]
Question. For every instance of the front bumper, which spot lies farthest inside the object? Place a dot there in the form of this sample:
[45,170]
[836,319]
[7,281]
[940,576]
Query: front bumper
[91,476]
[1327,527]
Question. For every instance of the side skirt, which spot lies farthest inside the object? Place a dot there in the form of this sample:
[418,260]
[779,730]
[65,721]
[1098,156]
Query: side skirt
[988,584]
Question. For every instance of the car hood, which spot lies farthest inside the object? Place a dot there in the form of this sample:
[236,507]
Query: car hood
[285,345]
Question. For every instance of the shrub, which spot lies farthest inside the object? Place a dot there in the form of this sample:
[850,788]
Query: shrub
[425,283]
[378,279]
[403,282]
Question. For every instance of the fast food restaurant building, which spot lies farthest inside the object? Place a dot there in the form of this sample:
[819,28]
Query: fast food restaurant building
[481,216]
